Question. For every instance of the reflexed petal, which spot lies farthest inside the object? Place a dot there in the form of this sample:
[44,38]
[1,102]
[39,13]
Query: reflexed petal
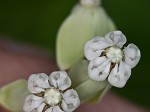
[60,79]
[105,72]
[32,102]
[94,48]
[94,73]
[115,38]
[98,61]
[71,100]
[99,43]
[132,55]
[37,83]
[40,108]
[119,75]
[99,68]
[57,109]
[71,96]
[54,109]
[49,109]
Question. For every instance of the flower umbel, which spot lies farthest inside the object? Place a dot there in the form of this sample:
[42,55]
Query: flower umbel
[51,94]
[107,59]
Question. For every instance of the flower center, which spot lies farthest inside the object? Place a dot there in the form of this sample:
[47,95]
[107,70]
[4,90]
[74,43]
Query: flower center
[52,97]
[115,54]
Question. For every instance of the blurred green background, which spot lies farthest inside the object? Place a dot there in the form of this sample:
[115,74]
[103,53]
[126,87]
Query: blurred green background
[36,22]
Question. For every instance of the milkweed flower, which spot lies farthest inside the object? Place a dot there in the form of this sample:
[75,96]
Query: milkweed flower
[107,59]
[51,94]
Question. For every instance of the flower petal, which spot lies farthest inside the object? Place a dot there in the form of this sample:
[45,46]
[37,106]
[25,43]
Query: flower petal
[54,109]
[38,82]
[57,109]
[49,109]
[105,71]
[71,100]
[40,108]
[132,55]
[94,48]
[119,75]
[99,68]
[115,38]
[32,102]
[60,79]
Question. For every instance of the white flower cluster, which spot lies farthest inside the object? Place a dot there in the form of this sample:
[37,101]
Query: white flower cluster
[50,94]
[107,59]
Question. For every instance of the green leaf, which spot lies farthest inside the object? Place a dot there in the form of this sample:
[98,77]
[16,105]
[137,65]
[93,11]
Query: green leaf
[12,96]
[83,24]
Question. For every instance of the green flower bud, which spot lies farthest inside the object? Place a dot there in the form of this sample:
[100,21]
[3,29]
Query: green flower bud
[86,21]
[12,96]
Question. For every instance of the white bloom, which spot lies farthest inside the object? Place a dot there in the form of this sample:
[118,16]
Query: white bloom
[51,94]
[107,59]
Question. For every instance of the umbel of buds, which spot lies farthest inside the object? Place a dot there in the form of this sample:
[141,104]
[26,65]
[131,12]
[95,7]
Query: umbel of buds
[108,59]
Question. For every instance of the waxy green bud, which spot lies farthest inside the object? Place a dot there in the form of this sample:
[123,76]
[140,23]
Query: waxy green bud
[87,20]
[12,96]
